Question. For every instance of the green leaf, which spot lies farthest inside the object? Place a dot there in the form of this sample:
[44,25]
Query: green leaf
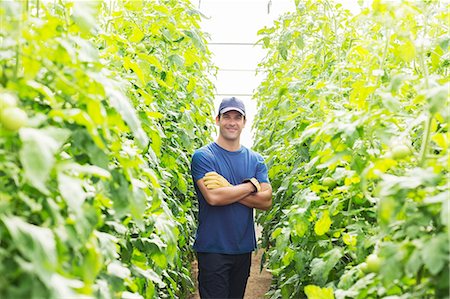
[44,90]
[182,185]
[156,143]
[122,104]
[150,275]
[85,169]
[438,98]
[316,292]
[321,267]
[406,51]
[177,60]
[36,244]
[301,227]
[445,213]
[117,269]
[72,191]
[414,263]
[282,49]
[134,5]
[390,102]
[323,225]
[396,82]
[138,205]
[37,153]
[130,64]
[151,59]
[195,39]
[120,193]
[87,52]
[435,253]
[107,245]
[137,35]
[300,42]
[84,14]
[129,295]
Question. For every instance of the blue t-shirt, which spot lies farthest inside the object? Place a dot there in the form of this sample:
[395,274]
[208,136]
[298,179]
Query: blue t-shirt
[226,229]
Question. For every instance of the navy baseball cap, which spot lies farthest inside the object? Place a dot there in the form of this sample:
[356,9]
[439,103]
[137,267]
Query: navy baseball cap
[232,103]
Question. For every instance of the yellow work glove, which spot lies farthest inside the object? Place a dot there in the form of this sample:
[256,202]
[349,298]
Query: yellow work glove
[214,180]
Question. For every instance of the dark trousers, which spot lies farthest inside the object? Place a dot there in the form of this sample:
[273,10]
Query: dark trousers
[223,276]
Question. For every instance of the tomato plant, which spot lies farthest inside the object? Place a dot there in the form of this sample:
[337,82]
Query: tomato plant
[341,93]
[94,192]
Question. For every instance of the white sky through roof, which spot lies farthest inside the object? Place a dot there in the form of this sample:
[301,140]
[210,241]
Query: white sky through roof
[232,26]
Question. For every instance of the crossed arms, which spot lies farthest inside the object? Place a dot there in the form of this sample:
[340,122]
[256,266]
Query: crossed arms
[242,193]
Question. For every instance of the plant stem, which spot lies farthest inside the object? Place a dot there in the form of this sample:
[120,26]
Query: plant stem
[425,141]
[427,129]
[16,66]
[350,201]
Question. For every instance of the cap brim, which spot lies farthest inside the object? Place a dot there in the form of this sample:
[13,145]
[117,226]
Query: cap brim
[225,110]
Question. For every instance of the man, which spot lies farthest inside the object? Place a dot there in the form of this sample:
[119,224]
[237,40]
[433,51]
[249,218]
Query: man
[230,180]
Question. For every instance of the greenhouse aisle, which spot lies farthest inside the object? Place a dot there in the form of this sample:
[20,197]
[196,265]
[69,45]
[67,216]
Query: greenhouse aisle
[103,103]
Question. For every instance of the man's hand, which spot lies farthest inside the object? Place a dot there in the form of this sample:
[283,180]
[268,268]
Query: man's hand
[213,180]
[261,200]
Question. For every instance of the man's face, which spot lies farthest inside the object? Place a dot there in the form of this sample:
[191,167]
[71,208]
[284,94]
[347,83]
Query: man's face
[230,125]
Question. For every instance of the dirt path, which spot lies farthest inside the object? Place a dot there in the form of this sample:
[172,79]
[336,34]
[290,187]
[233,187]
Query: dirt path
[258,283]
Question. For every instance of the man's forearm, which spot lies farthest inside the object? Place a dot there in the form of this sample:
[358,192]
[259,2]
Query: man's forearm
[225,195]
[261,200]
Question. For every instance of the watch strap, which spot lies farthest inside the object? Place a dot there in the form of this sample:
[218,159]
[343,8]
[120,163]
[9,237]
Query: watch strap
[254,182]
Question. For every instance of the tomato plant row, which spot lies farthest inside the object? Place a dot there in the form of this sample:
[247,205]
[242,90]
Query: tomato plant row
[100,104]
[353,117]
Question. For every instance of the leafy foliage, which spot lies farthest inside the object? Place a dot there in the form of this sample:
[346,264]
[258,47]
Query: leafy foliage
[353,117]
[94,197]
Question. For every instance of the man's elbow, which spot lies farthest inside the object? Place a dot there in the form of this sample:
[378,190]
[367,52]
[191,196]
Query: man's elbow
[267,205]
[212,200]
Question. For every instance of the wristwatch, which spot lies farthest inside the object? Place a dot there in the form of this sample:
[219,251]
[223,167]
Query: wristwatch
[255,184]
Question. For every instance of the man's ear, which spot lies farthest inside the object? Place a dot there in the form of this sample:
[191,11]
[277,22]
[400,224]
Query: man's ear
[217,120]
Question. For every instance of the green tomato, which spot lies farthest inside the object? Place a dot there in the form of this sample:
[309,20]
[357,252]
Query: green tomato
[329,182]
[13,118]
[400,151]
[7,99]
[373,263]
[363,267]
[141,48]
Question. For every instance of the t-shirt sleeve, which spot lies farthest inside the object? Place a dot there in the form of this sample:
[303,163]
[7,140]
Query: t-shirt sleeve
[261,171]
[200,165]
